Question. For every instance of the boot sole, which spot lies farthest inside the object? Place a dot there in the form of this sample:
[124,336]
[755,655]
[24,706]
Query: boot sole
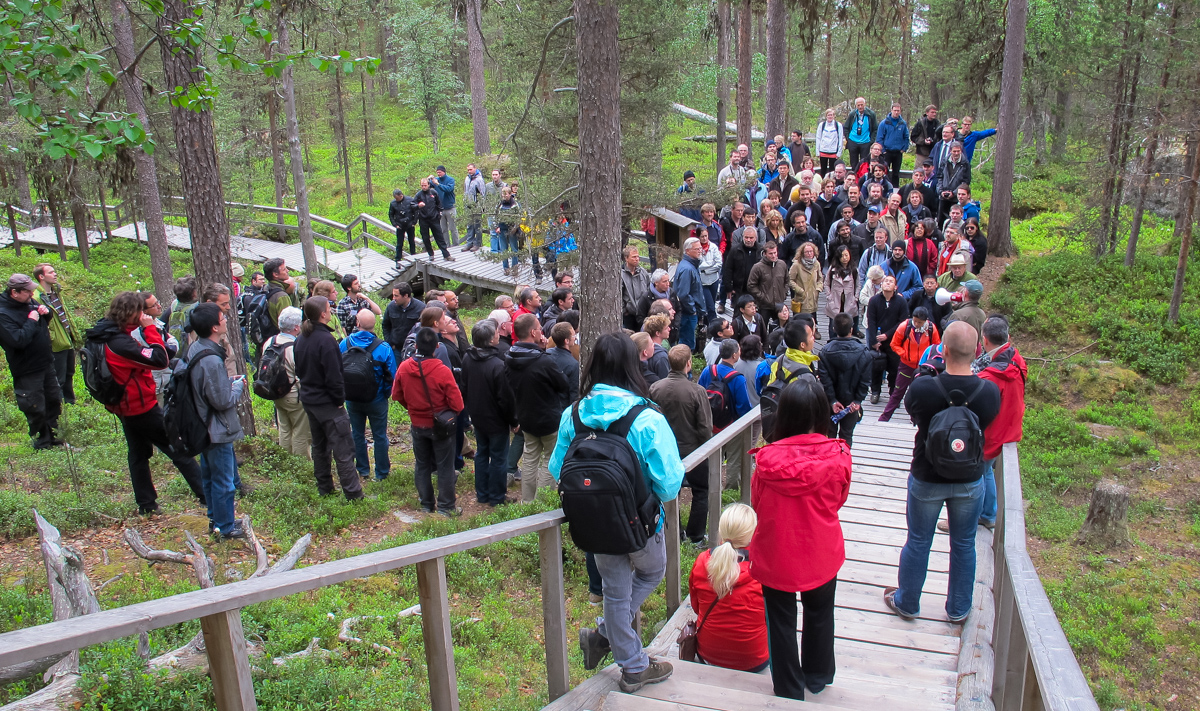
[631,688]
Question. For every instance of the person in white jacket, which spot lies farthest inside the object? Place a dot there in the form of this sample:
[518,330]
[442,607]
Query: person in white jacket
[710,259]
[830,138]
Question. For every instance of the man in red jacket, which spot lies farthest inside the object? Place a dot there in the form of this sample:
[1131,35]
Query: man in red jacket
[425,386]
[1004,366]
[141,418]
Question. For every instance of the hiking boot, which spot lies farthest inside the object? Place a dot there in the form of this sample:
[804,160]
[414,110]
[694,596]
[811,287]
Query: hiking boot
[653,674]
[451,513]
[989,525]
[889,599]
[449,258]
[595,600]
[235,531]
[875,398]
[594,646]
[152,511]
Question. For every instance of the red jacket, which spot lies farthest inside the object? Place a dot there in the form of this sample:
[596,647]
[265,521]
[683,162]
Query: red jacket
[924,255]
[408,390]
[799,486]
[734,635]
[131,363]
[1008,371]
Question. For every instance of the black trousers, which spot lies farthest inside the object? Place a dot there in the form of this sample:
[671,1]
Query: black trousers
[893,159]
[809,664]
[944,209]
[64,370]
[697,480]
[859,152]
[40,399]
[845,427]
[331,438]
[143,433]
[435,227]
[889,365]
[411,232]
[827,165]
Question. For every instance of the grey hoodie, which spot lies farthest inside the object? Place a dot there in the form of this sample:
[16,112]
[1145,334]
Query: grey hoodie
[217,394]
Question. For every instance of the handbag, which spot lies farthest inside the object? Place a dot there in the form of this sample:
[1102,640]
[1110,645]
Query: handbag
[445,422]
[689,636]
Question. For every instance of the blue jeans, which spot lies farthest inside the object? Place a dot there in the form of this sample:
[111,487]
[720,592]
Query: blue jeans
[503,243]
[963,502]
[989,492]
[628,581]
[491,467]
[376,411]
[687,330]
[218,470]
[474,233]
[710,300]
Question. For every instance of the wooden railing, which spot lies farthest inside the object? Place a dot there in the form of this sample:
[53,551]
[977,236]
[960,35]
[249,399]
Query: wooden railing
[1035,668]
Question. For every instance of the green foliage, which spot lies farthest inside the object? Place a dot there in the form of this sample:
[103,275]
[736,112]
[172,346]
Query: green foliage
[420,34]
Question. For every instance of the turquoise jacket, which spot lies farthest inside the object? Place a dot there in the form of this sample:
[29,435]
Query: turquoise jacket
[651,437]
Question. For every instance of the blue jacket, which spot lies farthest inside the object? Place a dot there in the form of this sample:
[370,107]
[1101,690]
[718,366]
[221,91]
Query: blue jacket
[892,134]
[871,257]
[971,139]
[383,354]
[908,278]
[445,191]
[650,436]
[688,288]
[741,396]
[971,209]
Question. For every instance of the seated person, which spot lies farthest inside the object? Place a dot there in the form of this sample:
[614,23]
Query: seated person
[731,619]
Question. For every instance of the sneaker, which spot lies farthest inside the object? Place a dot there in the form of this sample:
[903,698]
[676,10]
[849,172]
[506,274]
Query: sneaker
[595,600]
[699,543]
[426,509]
[450,258]
[152,511]
[235,531]
[875,398]
[451,513]
[594,646]
[889,599]
[989,525]
[653,674]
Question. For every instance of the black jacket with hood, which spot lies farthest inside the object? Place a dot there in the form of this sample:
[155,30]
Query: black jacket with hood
[486,391]
[26,341]
[539,387]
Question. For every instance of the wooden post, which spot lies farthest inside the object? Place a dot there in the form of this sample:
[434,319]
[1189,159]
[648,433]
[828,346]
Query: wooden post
[435,626]
[748,439]
[1107,522]
[673,578]
[1016,665]
[714,500]
[554,612]
[228,664]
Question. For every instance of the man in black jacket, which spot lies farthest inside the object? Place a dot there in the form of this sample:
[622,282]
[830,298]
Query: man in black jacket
[25,337]
[541,394]
[429,216]
[740,258]
[489,400]
[402,313]
[402,213]
[846,375]
[885,311]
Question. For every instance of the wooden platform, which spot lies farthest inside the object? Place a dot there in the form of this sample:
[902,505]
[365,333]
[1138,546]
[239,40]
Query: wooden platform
[477,269]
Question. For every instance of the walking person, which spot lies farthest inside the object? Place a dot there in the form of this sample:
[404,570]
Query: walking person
[402,213]
[685,405]
[611,386]
[133,363]
[65,334]
[294,433]
[542,394]
[802,481]
[25,337]
[846,365]
[427,389]
[216,398]
[489,400]
[319,368]
[368,369]
[955,481]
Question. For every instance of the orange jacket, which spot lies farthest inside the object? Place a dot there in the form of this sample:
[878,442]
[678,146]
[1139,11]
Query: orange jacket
[910,346]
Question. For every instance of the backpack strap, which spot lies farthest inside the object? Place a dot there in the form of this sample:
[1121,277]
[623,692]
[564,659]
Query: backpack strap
[575,419]
[730,375]
[966,400]
[375,341]
[622,426]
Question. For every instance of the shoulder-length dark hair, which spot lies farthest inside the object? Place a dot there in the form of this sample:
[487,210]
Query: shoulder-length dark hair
[314,308]
[614,361]
[803,409]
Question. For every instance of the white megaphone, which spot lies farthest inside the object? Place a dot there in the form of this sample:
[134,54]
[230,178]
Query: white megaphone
[943,297]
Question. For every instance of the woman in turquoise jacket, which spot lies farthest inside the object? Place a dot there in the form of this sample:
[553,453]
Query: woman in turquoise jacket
[610,385]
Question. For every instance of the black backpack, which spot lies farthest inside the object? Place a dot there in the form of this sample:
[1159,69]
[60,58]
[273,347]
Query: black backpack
[954,439]
[409,349]
[97,377]
[271,382]
[187,433]
[769,400]
[605,499]
[360,372]
[259,324]
[720,399]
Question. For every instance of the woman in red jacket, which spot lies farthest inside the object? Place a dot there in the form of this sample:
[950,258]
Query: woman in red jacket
[728,601]
[803,479]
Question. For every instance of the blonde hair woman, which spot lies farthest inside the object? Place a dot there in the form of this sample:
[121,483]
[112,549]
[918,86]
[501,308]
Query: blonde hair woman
[774,223]
[728,602]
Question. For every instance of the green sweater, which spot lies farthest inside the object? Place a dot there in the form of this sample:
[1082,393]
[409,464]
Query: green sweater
[279,300]
[64,331]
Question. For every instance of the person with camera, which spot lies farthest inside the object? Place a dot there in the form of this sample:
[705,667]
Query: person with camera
[426,388]
[611,389]
[25,337]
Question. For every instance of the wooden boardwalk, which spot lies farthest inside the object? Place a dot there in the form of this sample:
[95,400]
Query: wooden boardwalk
[477,269]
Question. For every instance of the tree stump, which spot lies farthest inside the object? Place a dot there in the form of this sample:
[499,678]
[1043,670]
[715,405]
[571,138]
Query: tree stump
[1107,524]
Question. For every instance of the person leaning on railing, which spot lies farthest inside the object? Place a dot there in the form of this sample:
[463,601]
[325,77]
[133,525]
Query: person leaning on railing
[802,480]
[728,601]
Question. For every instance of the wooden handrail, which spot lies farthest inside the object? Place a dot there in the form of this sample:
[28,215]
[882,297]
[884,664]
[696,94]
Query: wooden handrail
[1035,667]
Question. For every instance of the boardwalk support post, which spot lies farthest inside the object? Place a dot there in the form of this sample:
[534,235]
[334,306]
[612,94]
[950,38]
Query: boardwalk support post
[554,612]
[435,627]
[673,577]
[714,499]
[228,663]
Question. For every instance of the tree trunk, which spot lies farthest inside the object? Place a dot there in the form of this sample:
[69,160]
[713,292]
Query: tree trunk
[777,34]
[79,213]
[278,170]
[1112,166]
[826,91]
[1183,226]
[12,227]
[203,195]
[103,204]
[303,219]
[144,163]
[343,146]
[935,98]
[906,18]
[722,81]
[599,225]
[367,86]
[1152,146]
[24,194]
[1061,125]
[744,116]
[479,117]
[1126,124]
[1000,212]
[1107,523]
